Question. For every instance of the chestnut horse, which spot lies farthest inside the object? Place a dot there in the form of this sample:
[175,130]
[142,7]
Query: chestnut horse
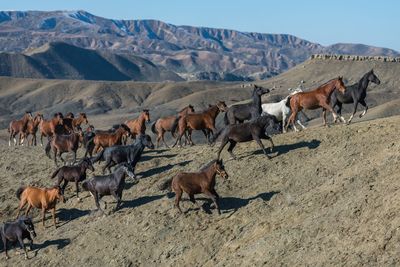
[167,124]
[64,143]
[199,121]
[193,183]
[138,126]
[48,127]
[317,98]
[40,198]
[32,128]
[18,127]
[71,123]
[105,139]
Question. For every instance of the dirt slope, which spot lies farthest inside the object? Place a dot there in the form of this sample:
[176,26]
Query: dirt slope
[329,197]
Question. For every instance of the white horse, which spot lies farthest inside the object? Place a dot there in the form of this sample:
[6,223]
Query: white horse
[281,111]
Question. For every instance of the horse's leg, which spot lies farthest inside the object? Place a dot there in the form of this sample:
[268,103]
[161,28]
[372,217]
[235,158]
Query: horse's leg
[4,239]
[74,161]
[34,140]
[162,138]
[53,213]
[43,215]
[21,243]
[362,102]
[21,206]
[231,147]
[55,156]
[259,142]
[96,200]
[115,195]
[178,197]
[64,185]
[324,116]
[355,105]
[10,137]
[77,188]
[326,106]
[267,137]
[190,137]
[214,198]
[28,210]
[15,139]
[339,111]
[223,144]
[193,200]
[291,120]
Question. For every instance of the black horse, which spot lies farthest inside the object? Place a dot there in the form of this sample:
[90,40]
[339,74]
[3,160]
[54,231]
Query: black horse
[19,230]
[119,154]
[76,173]
[247,131]
[355,94]
[242,112]
[112,184]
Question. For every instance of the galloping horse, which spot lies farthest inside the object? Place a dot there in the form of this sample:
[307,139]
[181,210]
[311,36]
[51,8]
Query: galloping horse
[242,112]
[71,123]
[48,127]
[317,98]
[199,121]
[32,128]
[105,139]
[168,124]
[138,126]
[18,127]
[355,94]
[64,143]
[193,183]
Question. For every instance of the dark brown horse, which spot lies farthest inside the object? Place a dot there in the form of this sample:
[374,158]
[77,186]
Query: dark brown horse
[138,126]
[167,124]
[64,143]
[18,127]
[204,121]
[199,182]
[71,123]
[48,128]
[40,198]
[106,139]
[317,98]
[32,128]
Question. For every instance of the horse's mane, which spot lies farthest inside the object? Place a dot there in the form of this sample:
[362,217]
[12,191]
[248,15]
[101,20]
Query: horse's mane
[207,165]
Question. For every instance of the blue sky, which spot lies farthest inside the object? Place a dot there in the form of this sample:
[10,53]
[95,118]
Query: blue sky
[325,22]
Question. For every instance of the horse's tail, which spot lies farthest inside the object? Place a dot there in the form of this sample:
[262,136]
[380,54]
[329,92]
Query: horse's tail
[98,157]
[175,125]
[20,190]
[216,135]
[153,128]
[55,173]
[48,148]
[166,184]
[288,101]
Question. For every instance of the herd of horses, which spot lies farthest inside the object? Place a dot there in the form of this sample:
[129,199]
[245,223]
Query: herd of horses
[242,123]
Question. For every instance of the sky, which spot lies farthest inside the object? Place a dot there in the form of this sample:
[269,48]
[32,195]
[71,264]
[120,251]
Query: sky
[326,22]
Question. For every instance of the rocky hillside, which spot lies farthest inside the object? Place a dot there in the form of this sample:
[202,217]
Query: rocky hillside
[193,52]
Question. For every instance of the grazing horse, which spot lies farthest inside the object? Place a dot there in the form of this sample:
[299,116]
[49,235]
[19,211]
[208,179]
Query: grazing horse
[281,110]
[19,127]
[168,124]
[138,126]
[71,123]
[64,143]
[105,139]
[355,94]
[19,230]
[48,127]
[112,184]
[247,131]
[199,182]
[120,154]
[199,121]
[242,112]
[317,98]
[40,198]
[32,128]
[76,173]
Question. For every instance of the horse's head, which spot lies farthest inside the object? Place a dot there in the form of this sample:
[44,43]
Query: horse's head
[59,118]
[84,118]
[145,139]
[146,115]
[27,223]
[128,169]
[220,169]
[190,109]
[69,115]
[222,106]
[87,163]
[339,84]
[59,193]
[38,117]
[258,90]
[90,129]
[29,115]
[372,77]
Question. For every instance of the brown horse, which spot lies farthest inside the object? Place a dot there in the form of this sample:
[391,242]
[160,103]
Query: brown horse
[64,143]
[18,127]
[106,139]
[32,128]
[167,124]
[40,198]
[138,126]
[71,123]
[197,182]
[204,121]
[317,98]
[48,127]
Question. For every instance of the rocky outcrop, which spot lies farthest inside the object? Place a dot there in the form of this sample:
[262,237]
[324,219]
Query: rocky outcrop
[355,58]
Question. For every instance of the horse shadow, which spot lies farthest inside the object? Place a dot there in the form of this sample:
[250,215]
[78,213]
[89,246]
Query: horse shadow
[67,215]
[283,149]
[60,243]
[146,158]
[134,203]
[161,169]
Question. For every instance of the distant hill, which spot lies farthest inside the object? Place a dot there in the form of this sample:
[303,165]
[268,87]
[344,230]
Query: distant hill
[195,53]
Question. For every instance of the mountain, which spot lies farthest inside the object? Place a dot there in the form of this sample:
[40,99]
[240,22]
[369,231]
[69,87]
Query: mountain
[192,52]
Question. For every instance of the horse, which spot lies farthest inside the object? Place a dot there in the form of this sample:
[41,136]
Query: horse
[242,112]
[138,126]
[168,124]
[19,230]
[317,98]
[76,173]
[32,128]
[120,154]
[355,93]
[112,184]
[71,123]
[193,183]
[40,198]
[48,128]
[199,121]
[105,139]
[18,127]
[64,143]
[247,131]
[281,110]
